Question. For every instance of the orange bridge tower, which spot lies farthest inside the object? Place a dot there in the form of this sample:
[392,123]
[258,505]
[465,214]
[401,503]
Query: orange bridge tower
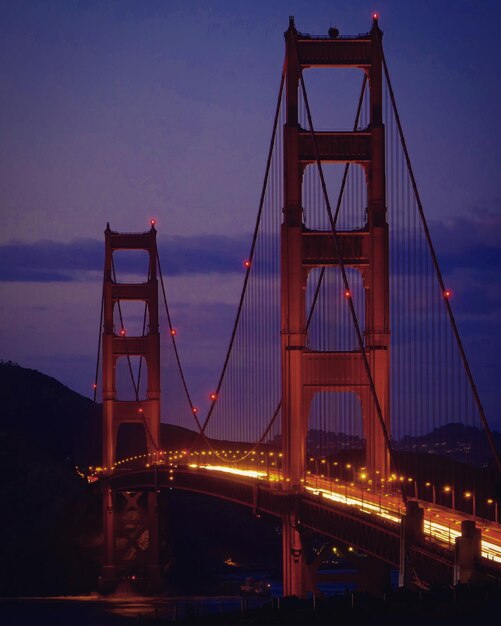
[130,519]
[306,372]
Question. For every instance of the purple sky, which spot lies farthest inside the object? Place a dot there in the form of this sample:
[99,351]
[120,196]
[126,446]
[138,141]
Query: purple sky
[123,110]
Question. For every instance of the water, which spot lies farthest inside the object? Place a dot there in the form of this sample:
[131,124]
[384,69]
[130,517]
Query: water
[94,610]
[128,608]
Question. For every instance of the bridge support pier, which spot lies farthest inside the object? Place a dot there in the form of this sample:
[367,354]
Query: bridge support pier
[109,570]
[411,533]
[293,562]
[467,553]
[131,541]
[153,569]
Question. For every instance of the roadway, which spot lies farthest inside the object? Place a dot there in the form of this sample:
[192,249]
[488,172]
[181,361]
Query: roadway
[441,524]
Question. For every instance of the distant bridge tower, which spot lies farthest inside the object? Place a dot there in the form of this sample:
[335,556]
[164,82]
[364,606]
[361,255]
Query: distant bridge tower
[306,372]
[130,519]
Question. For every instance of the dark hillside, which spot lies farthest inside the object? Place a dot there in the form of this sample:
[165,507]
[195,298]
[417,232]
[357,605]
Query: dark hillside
[41,409]
[51,518]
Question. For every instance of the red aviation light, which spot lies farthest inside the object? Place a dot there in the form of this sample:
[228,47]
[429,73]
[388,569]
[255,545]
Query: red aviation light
[375,16]
[153,222]
[194,409]
[122,332]
[173,332]
[94,386]
[247,263]
[140,410]
[213,396]
[447,294]
[347,293]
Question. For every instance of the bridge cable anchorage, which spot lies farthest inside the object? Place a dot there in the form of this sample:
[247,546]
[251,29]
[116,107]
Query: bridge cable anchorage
[446,298]
[343,272]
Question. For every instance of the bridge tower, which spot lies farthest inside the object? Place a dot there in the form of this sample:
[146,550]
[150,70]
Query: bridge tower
[306,372]
[130,520]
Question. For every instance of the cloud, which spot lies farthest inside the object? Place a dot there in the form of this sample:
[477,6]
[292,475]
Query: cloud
[54,261]
[9,274]
[467,243]
[481,225]
[469,253]
[49,261]
[203,254]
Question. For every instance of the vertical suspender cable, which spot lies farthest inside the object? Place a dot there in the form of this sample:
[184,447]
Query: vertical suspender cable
[438,272]
[253,246]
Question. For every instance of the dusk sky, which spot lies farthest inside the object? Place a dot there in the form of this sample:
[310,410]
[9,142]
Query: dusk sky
[119,111]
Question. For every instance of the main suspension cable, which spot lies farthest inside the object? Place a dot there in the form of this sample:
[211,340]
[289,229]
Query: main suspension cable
[320,279]
[252,250]
[99,337]
[174,345]
[438,272]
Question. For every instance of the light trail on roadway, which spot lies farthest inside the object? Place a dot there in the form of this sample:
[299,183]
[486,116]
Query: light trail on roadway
[441,525]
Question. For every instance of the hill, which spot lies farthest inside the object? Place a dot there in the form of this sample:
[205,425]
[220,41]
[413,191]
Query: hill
[39,408]
[51,518]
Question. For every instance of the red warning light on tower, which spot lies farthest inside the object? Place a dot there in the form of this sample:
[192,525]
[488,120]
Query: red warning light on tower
[173,332]
[447,294]
[375,16]
[153,222]
[247,263]
[94,386]
[347,293]
[140,410]
[213,396]
[122,332]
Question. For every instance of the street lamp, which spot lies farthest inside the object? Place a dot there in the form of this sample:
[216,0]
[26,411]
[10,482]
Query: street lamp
[495,503]
[325,469]
[433,492]
[450,490]
[348,467]
[335,464]
[411,480]
[362,476]
[468,495]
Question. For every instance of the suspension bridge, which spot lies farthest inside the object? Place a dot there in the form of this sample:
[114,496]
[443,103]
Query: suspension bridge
[345,404]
